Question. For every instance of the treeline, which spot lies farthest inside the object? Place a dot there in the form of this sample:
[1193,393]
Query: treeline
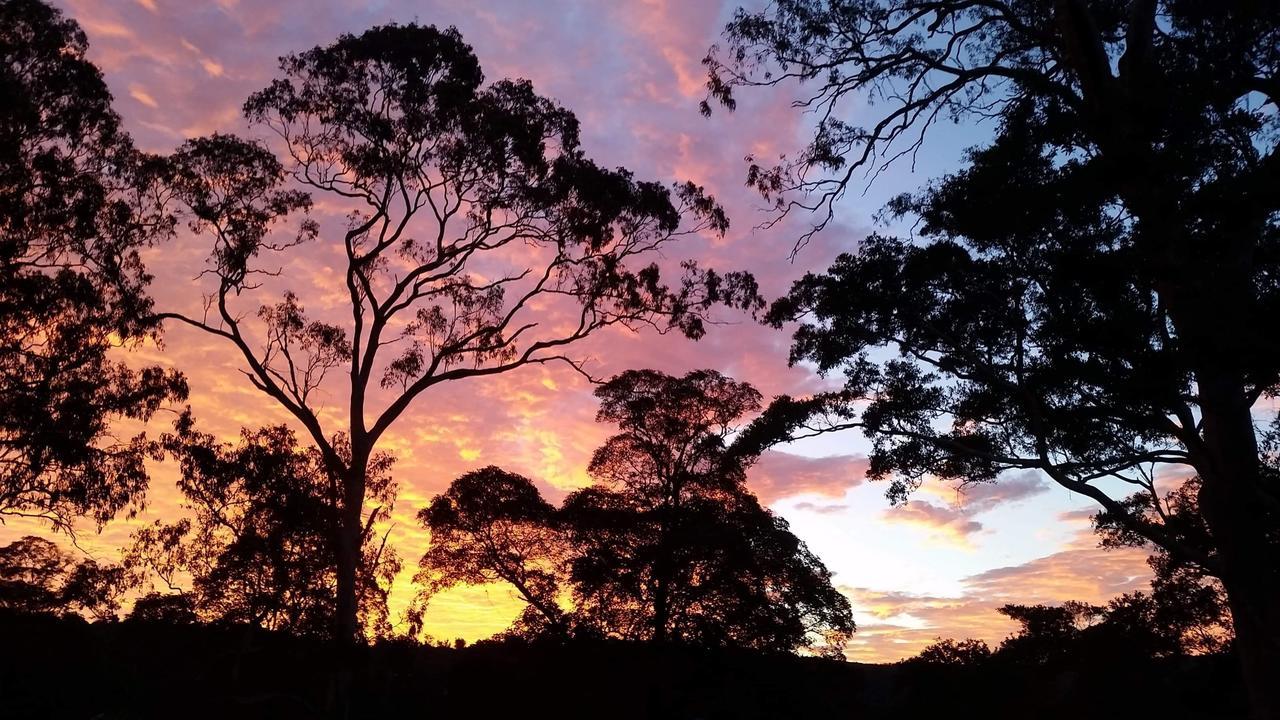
[1184,613]
[140,669]
[668,546]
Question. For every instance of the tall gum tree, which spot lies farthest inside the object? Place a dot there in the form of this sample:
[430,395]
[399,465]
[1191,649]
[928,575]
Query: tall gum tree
[480,239]
[1091,296]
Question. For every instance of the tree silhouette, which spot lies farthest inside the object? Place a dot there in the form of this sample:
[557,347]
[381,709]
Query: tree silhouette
[1186,610]
[77,202]
[481,239]
[494,526]
[668,546]
[967,653]
[165,608]
[1047,632]
[669,543]
[37,576]
[665,471]
[258,546]
[1090,293]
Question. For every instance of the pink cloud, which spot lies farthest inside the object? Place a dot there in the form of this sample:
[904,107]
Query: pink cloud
[954,522]
[948,522]
[779,475]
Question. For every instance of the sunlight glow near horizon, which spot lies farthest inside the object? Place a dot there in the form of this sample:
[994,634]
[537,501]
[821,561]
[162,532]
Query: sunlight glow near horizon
[631,74]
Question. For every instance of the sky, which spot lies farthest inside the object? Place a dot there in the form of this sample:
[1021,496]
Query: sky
[935,567]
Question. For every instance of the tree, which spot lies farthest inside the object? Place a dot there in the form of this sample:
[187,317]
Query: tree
[1047,632]
[1087,296]
[494,526]
[964,653]
[717,573]
[77,202]
[667,547]
[164,608]
[39,577]
[664,469]
[1186,609]
[480,240]
[258,546]
[670,546]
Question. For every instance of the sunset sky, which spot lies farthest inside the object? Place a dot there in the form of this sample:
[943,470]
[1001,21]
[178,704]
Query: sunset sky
[631,71]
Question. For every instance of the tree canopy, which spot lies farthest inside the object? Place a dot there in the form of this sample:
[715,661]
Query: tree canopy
[1089,295]
[77,203]
[37,576]
[257,547]
[668,546]
[494,526]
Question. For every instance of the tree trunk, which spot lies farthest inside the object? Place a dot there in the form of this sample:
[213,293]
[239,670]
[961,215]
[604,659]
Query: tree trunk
[1235,512]
[660,610]
[346,620]
[347,631]
[662,572]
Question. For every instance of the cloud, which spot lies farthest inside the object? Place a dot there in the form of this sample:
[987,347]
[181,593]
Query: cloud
[954,523]
[137,92]
[895,625]
[950,523]
[780,475]
[1082,571]
[980,497]
[823,508]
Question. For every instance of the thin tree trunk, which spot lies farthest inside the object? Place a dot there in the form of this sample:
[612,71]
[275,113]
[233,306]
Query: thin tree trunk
[660,609]
[662,576]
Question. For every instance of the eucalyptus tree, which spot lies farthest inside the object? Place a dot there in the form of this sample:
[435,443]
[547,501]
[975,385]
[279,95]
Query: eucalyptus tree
[479,239]
[667,546]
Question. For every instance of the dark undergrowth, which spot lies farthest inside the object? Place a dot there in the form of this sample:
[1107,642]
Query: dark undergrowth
[67,668]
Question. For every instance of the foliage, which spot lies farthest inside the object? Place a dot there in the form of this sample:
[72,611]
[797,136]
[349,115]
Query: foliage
[77,203]
[164,608]
[1186,609]
[667,546]
[37,576]
[968,652]
[257,547]
[493,526]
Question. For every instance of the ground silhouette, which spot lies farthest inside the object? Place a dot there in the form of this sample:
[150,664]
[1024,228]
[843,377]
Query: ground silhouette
[143,670]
